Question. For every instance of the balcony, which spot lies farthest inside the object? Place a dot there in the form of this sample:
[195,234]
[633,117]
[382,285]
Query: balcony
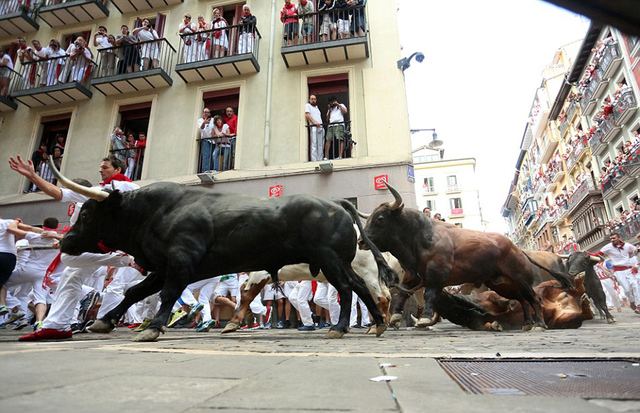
[634,46]
[558,174]
[549,148]
[599,85]
[563,126]
[571,110]
[622,179]
[456,213]
[573,158]
[609,129]
[196,61]
[7,103]
[326,48]
[65,12]
[453,188]
[580,194]
[429,190]
[633,164]
[625,107]
[611,59]
[608,191]
[119,68]
[129,6]
[54,81]
[558,215]
[597,146]
[16,18]
[587,102]
[217,154]
[630,229]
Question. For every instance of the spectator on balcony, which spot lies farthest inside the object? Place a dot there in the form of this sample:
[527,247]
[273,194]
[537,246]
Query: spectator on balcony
[44,171]
[220,39]
[220,133]
[105,43]
[357,17]
[247,24]
[26,56]
[38,156]
[130,61]
[305,11]
[141,145]
[150,49]
[336,129]
[132,153]
[289,16]
[6,66]
[80,57]
[187,30]
[205,126]
[60,142]
[342,19]
[316,131]
[57,157]
[328,24]
[118,144]
[230,119]
[203,42]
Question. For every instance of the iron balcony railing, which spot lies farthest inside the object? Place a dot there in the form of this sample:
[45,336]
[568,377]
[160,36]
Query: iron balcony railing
[626,100]
[16,6]
[14,80]
[630,228]
[595,140]
[134,58]
[586,97]
[133,159]
[217,154]
[457,211]
[54,2]
[332,148]
[578,195]
[610,53]
[564,125]
[571,110]
[324,25]
[216,43]
[54,71]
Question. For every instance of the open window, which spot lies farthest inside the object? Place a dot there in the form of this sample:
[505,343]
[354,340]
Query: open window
[218,152]
[130,142]
[53,137]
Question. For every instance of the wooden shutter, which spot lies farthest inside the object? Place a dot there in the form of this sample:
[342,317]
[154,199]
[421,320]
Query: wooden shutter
[160,23]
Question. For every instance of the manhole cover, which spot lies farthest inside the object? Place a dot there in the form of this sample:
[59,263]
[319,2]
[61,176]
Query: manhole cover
[586,378]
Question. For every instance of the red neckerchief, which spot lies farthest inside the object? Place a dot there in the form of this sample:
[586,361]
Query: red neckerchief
[288,6]
[23,47]
[303,2]
[621,247]
[104,248]
[116,177]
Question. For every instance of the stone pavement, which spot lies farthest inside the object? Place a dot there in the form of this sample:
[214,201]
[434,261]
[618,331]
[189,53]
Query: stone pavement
[288,370]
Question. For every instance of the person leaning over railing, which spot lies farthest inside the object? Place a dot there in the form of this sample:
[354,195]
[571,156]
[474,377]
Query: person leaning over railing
[204,43]
[190,42]
[130,56]
[150,50]
[247,24]
[80,58]
[6,66]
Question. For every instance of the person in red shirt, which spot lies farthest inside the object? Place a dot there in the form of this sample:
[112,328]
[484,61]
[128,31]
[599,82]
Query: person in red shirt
[142,144]
[231,119]
[289,16]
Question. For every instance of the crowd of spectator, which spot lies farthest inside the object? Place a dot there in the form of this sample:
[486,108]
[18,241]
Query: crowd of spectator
[129,150]
[40,159]
[217,139]
[627,154]
[627,216]
[589,74]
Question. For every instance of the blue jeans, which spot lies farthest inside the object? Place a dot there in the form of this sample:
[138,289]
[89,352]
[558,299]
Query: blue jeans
[224,152]
[206,150]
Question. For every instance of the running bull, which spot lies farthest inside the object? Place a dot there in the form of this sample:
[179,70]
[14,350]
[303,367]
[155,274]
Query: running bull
[185,234]
[435,254]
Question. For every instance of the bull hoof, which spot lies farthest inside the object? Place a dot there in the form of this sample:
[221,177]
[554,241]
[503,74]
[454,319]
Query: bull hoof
[495,326]
[611,320]
[380,329]
[426,322]
[395,321]
[150,334]
[512,305]
[230,327]
[371,330]
[527,327]
[538,329]
[100,327]
[334,334]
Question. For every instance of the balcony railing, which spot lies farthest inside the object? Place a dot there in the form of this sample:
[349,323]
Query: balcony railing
[610,59]
[325,36]
[55,80]
[453,188]
[217,154]
[571,110]
[66,12]
[457,211]
[579,194]
[133,159]
[16,17]
[132,68]
[7,86]
[586,97]
[629,229]
[338,148]
[624,107]
[609,129]
[218,53]
[574,156]
[595,142]
[564,125]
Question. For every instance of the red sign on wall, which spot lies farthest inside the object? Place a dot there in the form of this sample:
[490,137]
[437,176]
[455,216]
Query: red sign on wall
[275,190]
[378,182]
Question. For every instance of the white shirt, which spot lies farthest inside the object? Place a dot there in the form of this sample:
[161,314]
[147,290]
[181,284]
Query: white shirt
[314,112]
[620,257]
[335,114]
[208,127]
[9,63]
[7,240]
[39,260]
[145,35]
[69,196]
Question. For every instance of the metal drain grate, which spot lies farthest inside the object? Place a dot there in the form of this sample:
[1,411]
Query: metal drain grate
[586,378]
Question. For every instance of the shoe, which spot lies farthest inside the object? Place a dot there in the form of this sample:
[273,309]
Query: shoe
[323,325]
[14,317]
[357,326]
[267,326]
[324,159]
[22,323]
[134,325]
[177,316]
[206,326]
[122,325]
[47,334]
[4,310]
[37,326]
[255,326]
[78,328]
[87,305]
[287,324]
[143,326]
[261,327]
[306,328]
[280,324]
[195,309]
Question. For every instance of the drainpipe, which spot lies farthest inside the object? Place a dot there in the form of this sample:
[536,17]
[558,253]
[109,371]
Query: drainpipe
[267,122]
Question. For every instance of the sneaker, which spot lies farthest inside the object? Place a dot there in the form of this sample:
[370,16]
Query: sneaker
[37,326]
[145,323]
[47,334]
[177,316]
[280,324]
[79,328]
[134,325]
[287,324]
[206,326]
[22,323]
[4,310]
[14,317]
[323,325]
[267,326]
[307,328]
[87,305]
[195,309]
[255,326]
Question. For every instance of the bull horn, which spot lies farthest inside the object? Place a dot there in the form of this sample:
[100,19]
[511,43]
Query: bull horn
[594,258]
[414,319]
[363,215]
[398,198]
[563,256]
[82,190]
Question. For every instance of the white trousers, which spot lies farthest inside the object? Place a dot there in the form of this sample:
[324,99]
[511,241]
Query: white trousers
[299,298]
[613,299]
[355,300]
[317,143]
[69,289]
[629,284]
[328,301]
[123,279]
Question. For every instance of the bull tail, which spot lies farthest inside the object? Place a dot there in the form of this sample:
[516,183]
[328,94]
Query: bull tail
[386,274]
[565,279]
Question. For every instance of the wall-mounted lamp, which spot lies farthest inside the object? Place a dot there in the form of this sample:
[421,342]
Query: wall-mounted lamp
[325,167]
[405,62]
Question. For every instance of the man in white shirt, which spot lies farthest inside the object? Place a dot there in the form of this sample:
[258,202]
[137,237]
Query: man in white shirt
[336,129]
[620,254]
[316,131]
[205,125]
[107,57]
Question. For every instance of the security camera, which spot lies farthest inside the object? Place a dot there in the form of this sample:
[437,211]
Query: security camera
[419,57]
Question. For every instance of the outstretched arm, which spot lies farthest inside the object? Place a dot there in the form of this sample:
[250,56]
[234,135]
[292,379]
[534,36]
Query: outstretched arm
[26,169]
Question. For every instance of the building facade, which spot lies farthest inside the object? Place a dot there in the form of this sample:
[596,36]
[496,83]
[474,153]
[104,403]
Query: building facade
[160,87]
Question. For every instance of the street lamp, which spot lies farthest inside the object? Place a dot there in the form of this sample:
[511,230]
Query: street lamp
[405,62]
[435,143]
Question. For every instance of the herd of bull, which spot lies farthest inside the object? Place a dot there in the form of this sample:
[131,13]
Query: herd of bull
[182,234]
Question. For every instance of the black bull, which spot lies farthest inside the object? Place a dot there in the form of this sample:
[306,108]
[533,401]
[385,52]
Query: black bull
[185,234]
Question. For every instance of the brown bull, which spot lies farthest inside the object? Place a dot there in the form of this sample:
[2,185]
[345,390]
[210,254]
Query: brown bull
[435,254]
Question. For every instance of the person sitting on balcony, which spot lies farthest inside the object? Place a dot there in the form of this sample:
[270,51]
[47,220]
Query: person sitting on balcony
[247,24]
[80,58]
[328,24]
[220,132]
[150,49]
[203,43]
[342,19]
[357,17]
[316,131]
[205,125]
[220,39]
[289,16]
[6,66]
[305,10]
[130,60]
[187,28]
[104,42]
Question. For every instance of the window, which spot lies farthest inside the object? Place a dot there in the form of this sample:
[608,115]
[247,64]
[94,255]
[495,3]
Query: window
[458,224]
[157,22]
[428,185]
[325,87]
[452,183]
[130,143]
[218,153]
[431,204]
[51,143]
[456,205]
[69,38]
